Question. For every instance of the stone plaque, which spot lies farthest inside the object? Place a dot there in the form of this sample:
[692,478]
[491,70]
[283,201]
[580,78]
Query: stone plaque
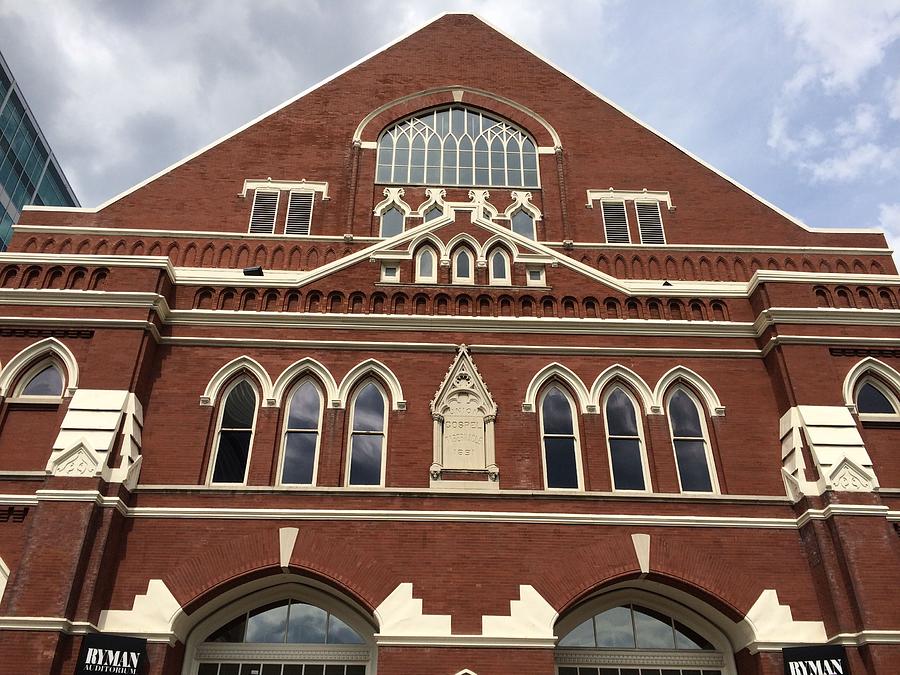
[463,441]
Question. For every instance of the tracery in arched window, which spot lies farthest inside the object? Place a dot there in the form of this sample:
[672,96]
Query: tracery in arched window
[456,145]
[301,435]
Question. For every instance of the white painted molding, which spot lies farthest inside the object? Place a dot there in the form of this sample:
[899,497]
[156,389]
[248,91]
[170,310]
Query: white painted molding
[863,368]
[296,370]
[226,372]
[434,196]
[531,617]
[642,551]
[559,372]
[521,199]
[155,612]
[629,378]
[630,195]
[400,615]
[365,369]
[466,671]
[298,185]
[287,539]
[44,348]
[701,386]
[393,196]
[4,577]
[770,621]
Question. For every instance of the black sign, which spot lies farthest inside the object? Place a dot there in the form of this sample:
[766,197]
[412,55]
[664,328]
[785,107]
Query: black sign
[103,654]
[822,660]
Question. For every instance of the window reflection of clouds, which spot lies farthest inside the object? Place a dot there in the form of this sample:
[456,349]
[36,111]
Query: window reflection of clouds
[48,382]
[368,413]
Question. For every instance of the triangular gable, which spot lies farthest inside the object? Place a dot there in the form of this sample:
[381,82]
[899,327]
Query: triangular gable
[401,39]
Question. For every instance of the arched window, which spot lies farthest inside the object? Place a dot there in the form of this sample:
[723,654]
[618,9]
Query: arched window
[624,436]
[234,437]
[633,638]
[456,145]
[873,398]
[367,435]
[522,223]
[303,426]
[692,452]
[426,265]
[560,438]
[43,380]
[463,267]
[499,267]
[392,222]
[284,633]
[432,213]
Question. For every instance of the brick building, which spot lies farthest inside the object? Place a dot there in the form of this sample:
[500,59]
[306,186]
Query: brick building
[447,365]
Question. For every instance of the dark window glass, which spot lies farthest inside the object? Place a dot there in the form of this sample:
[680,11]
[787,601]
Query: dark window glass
[250,669]
[559,440]
[624,442]
[426,264]
[463,265]
[235,434]
[652,629]
[557,413]
[233,631]
[620,417]
[392,222]
[271,669]
[239,407]
[685,638]
[365,460]
[523,223]
[356,670]
[871,400]
[339,633]
[208,669]
[690,444]
[367,437]
[301,436]
[498,266]
[334,670]
[229,669]
[368,414]
[48,382]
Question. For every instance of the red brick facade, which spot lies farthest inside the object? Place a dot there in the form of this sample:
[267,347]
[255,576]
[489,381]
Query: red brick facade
[771,328]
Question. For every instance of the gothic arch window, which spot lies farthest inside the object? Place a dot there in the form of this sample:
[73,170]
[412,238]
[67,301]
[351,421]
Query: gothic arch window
[875,400]
[559,436]
[283,630]
[625,441]
[426,265]
[234,434]
[498,267]
[690,440]
[44,380]
[393,221]
[368,426]
[463,266]
[647,635]
[457,145]
[522,223]
[302,432]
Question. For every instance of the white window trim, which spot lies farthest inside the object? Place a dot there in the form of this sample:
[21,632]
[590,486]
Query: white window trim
[432,278]
[639,419]
[285,429]
[223,399]
[490,261]
[384,435]
[662,225]
[539,282]
[457,279]
[287,212]
[710,462]
[390,279]
[573,409]
[889,394]
[29,374]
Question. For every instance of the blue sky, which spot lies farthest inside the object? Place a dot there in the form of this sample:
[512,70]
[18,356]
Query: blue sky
[799,101]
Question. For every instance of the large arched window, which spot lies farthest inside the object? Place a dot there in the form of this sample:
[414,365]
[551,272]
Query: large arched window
[522,223]
[463,266]
[456,146]
[393,221]
[426,265]
[498,262]
[875,400]
[624,435]
[234,436]
[635,639]
[303,424]
[560,439]
[296,631]
[693,458]
[367,436]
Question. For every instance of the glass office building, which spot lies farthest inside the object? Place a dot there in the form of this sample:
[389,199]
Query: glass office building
[29,173]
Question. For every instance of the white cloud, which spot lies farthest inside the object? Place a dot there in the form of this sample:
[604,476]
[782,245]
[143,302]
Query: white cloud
[781,139]
[892,95]
[889,220]
[863,124]
[853,164]
[841,41]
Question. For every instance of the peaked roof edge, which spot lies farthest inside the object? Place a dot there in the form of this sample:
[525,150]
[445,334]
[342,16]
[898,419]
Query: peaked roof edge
[404,36]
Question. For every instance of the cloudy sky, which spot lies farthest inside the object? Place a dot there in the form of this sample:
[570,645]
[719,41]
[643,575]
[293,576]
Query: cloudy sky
[798,100]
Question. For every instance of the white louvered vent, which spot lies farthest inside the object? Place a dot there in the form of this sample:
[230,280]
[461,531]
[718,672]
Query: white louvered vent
[264,212]
[299,215]
[615,223]
[650,223]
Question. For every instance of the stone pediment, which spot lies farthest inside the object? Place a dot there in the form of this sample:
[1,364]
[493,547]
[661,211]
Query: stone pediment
[464,412]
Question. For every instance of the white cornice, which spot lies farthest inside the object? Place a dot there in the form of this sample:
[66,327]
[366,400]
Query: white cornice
[464,641]
[111,232]
[268,183]
[670,247]
[630,195]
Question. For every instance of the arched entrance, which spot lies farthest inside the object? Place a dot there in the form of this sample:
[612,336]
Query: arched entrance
[631,631]
[291,626]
